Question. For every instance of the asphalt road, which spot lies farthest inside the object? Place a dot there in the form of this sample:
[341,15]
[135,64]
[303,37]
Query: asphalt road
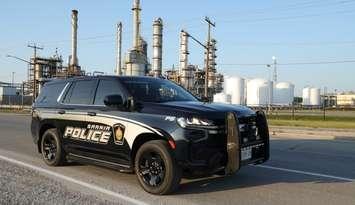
[300,171]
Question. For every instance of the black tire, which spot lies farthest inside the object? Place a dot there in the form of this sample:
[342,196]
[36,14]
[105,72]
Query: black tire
[51,147]
[161,171]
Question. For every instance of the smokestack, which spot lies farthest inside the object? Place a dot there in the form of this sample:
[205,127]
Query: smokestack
[119,49]
[136,24]
[184,52]
[157,47]
[74,38]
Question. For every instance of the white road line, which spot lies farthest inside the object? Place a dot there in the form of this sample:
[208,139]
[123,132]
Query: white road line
[306,173]
[72,180]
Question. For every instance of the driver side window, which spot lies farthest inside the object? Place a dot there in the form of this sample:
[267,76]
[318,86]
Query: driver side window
[105,88]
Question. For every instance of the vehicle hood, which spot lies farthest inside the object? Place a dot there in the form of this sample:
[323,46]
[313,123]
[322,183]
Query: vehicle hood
[195,109]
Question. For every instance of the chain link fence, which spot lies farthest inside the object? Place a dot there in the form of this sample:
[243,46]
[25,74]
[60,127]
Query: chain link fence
[19,102]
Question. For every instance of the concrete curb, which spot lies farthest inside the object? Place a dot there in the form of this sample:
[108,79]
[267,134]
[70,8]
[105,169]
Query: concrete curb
[313,133]
[15,113]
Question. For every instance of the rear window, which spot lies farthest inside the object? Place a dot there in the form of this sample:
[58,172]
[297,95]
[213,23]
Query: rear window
[50,92]
[81,92]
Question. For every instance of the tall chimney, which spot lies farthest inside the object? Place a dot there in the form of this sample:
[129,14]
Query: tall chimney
[136,24]
[74,38]
[184,52]
[157,47]
[119,49]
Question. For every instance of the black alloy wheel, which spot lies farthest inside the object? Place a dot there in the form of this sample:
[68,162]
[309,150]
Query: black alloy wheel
[151,168]
[51,148]
[156,168]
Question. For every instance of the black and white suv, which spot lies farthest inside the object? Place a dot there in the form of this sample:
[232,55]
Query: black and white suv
[145,125]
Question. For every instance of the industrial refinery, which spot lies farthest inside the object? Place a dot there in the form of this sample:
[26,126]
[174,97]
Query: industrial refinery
[135,61]
[177,102]
[203,81]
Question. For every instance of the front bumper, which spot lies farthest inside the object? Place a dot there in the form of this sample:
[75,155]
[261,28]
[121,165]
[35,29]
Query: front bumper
[223,149]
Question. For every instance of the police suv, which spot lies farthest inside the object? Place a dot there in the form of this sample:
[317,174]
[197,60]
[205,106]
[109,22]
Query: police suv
[145,125]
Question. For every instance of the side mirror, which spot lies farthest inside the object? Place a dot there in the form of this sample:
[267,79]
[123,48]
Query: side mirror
[114,101]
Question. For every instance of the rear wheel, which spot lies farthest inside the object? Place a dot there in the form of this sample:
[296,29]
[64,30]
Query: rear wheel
[157,171]
[52,152]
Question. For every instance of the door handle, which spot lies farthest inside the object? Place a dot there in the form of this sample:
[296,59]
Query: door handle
[92,113]
[62,112]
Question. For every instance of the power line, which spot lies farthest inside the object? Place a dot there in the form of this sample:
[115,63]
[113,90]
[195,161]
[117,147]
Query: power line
[324,43]
[287,17]
[292,63]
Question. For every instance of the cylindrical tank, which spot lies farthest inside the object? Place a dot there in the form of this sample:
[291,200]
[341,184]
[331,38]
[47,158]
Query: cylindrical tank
[157,47]
[136,23]
[259,92]
[306,96]
[74,38]
[135,63]
[119,49]
[284,93]
[315,97]
[184,60]
[38,71]
[311,96]
[222,98]
[235,86]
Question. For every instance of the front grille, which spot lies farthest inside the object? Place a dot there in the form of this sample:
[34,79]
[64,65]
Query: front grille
[249,130]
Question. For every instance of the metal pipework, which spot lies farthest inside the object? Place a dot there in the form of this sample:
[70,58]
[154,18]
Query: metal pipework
[212,64]
[136,24]
[157,47]
[74,38]
[184,58]
[119,49]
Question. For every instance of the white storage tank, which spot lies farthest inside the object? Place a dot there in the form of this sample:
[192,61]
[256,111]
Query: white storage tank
[315,97]
[306,96]
[222,98]
[311,96]
[284,93]
[235,87]
[259,92]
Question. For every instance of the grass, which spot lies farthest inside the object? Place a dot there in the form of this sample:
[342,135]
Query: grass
[340,122]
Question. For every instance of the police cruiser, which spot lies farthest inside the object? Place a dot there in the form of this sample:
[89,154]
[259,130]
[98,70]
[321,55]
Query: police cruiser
[145,125]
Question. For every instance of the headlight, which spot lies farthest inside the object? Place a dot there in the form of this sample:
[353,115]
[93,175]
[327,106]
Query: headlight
[193,121]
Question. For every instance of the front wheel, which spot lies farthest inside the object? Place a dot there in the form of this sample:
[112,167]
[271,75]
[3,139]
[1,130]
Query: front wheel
[157,171]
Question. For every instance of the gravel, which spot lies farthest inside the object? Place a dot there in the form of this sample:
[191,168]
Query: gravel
[19,185]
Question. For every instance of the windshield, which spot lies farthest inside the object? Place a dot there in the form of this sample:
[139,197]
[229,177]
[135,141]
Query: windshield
[156,90]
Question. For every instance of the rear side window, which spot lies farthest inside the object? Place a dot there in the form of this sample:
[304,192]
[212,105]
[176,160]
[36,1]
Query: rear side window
[81,92]
[50,93]
[105,88]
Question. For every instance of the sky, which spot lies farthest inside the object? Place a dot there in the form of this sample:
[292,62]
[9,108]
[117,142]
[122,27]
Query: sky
[311,39]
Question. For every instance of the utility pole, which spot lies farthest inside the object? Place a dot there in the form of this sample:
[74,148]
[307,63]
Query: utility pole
[210,24]
[35,48]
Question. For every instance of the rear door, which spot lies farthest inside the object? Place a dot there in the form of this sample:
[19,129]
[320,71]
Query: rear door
[73,117]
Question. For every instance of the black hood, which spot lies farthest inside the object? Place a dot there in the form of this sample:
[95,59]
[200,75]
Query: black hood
[195,109]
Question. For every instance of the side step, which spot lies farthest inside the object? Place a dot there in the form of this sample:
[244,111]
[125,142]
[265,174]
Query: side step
[93,161]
